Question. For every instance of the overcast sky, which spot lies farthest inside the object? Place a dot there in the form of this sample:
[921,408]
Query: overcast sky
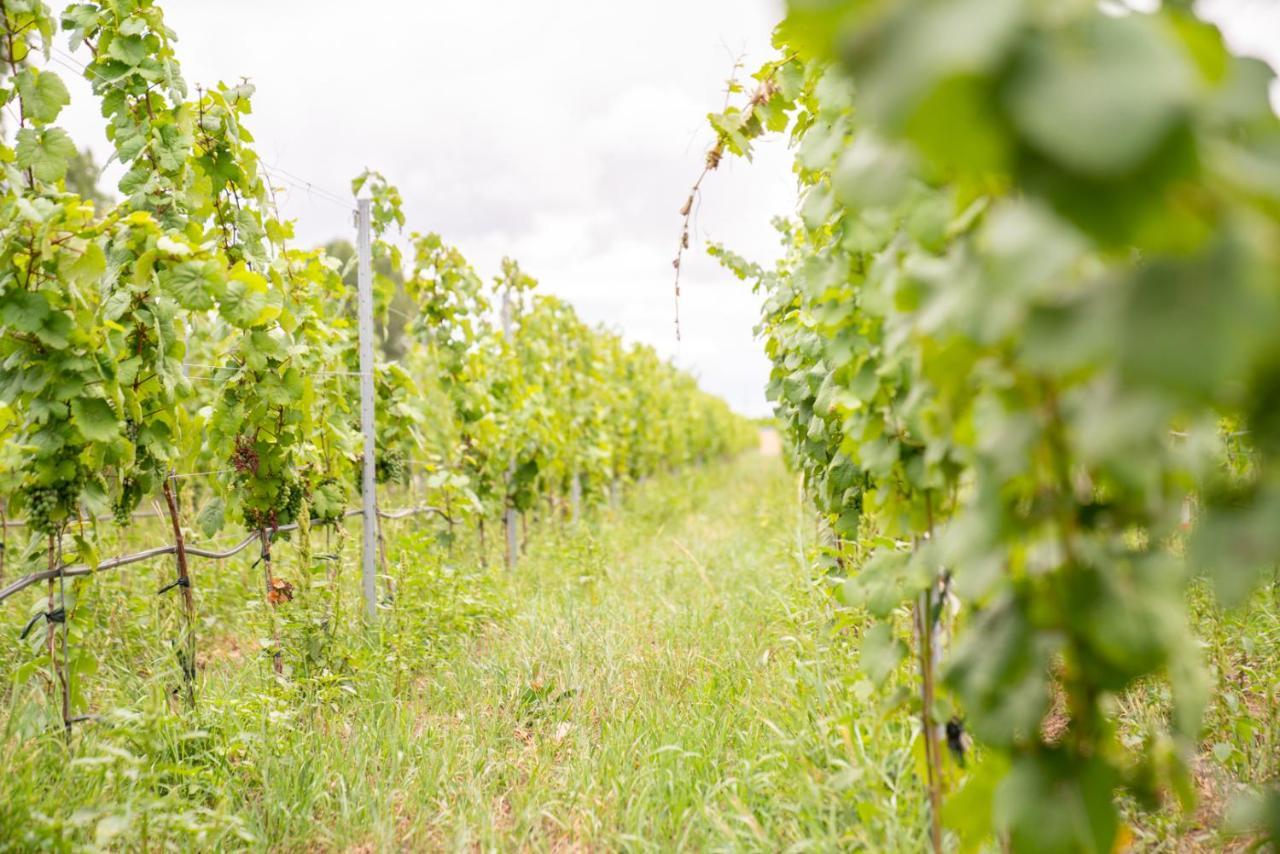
[564,133]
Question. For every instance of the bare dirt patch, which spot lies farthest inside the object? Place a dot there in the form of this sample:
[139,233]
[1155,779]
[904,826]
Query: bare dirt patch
[770,442]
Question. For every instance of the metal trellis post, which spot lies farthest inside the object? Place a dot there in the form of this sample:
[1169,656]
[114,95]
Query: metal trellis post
[364,294]
[509,517]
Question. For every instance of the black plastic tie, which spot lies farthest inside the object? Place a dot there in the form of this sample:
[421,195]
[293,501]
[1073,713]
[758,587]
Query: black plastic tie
[956,740]
[183,581]
[266,550]
[57,615]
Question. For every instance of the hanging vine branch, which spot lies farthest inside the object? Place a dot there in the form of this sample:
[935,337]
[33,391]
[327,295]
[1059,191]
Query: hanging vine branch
[734,128]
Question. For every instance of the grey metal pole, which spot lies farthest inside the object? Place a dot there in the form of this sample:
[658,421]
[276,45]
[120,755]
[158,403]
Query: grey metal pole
[509,517]
[364,296]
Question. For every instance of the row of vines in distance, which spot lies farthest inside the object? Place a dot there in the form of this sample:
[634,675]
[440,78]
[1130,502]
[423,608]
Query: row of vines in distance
[183,331]
[1024,345]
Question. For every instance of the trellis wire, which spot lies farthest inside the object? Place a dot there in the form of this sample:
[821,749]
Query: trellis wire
[83,569]
[7,523]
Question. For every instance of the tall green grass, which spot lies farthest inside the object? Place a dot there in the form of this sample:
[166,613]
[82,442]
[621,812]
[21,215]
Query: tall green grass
[666,675]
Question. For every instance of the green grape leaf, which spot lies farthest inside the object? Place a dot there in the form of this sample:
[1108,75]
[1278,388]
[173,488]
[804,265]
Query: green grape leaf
[25,311]
[129,49]
[871,173]
[212,517]
[246,301]
[194,284]
[95,419]
[1100,97]
[55,331]
[881,652]
[1092,822]
[43,94]
[46,152]
[1235,543]
[968,811]
[88,266]
[879,585]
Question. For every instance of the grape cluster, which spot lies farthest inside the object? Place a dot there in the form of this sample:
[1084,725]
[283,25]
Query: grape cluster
[255,518]
[126,499]
[391,466]
[120,506]
[285,511]
[50,506]
[133,485]
[245,458]
[291,495]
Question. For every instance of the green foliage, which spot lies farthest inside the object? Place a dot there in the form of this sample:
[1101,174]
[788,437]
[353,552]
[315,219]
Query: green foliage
[540,399]
[178,334]
[1026,308]
[498,710]
[140,775]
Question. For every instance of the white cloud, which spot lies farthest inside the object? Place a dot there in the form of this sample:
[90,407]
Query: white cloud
[565,134]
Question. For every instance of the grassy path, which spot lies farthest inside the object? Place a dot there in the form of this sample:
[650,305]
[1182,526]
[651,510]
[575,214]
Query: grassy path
[663,683]
[663,677]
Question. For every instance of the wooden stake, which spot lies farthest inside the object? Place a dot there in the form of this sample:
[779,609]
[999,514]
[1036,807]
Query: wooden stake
[187,658]
[276,660]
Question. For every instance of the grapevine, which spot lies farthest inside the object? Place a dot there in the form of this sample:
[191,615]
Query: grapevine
[1032,272]
[180,334]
